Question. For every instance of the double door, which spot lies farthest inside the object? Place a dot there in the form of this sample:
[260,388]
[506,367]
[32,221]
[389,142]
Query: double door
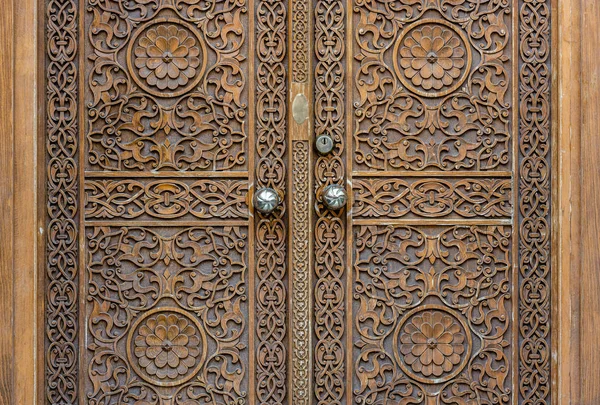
[298,202]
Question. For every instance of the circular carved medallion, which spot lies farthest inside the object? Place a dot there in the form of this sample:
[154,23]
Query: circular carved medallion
[433,58]
[166,347]
[166,57]
[433,344]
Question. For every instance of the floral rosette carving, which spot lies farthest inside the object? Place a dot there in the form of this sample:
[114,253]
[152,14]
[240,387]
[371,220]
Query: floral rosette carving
[167,57]
[433,344]
[167,346]
[433,57]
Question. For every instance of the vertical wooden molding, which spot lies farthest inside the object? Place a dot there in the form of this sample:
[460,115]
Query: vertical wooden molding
[589,231]
[7,199]
[330,311]
[300,280]
[534,208]
[26,270]
[566,213]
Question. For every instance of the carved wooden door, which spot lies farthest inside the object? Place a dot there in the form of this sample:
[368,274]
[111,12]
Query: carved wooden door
[297,202]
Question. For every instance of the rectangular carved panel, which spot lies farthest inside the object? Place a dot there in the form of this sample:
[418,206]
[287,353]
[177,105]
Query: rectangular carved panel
[166,314]
[445,112]
[167,305]
[433,85]
[432,314]
[166,85]
[153,187]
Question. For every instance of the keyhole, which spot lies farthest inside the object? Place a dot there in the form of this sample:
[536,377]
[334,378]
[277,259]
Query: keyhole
[324,144]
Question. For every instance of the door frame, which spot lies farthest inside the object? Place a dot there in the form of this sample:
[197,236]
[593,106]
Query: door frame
[576,249]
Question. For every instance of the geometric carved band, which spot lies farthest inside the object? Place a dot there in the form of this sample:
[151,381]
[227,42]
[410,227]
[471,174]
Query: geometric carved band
[432,198]
[300,47]
[166,199]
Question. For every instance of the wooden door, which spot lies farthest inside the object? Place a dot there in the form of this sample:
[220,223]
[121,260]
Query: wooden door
[433,286]
[405,257]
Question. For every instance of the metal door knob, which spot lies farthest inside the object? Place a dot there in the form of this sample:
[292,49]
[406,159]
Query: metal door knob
[266,200]
[334,197]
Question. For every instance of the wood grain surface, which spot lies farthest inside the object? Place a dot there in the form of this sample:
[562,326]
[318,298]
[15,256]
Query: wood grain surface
[589,250]
[7,201]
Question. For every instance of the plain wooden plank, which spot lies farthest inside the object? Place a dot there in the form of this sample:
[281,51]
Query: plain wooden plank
[590,209]
[7,201]
[567,129]
[25,215]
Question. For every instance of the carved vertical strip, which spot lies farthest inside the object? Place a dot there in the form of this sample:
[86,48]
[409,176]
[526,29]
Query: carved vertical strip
[271,126]
[534,202]
[61,361]
[300,41]
[300,123]
[300,274]
[330,262]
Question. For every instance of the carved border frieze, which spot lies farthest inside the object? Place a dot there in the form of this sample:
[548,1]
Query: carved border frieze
[300,274]
[165,199]
[271,232]
[62,184]
[300,13]
[432,198]
[534,202]
[329,232]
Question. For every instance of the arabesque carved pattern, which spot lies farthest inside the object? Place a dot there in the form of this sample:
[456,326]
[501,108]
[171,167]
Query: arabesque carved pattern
[432,198]
[534,202]
[329,233]
[432,85]
[165,199]
[167,85]
[271,230]
[432,314]
[166,290]
[167,314]
[61,364]
[164,314]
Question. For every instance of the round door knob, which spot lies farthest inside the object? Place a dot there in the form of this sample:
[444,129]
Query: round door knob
[334,197]
[266,200]
[324,144]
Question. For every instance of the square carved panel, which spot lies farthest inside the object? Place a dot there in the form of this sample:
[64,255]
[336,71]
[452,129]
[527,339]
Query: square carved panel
[432,310]
[166,314]
[166,86]
[432,85]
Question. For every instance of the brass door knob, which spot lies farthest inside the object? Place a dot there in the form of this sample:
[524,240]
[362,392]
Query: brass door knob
[334,197]
[266,200]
